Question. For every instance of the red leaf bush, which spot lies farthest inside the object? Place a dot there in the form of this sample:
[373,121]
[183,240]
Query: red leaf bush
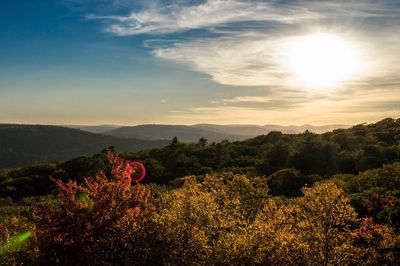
[99,218]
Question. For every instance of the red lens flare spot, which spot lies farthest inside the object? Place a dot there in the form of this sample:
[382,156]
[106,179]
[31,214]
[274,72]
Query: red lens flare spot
[138,171]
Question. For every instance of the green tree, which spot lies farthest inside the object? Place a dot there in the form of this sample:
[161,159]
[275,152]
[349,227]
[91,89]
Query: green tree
[287,182]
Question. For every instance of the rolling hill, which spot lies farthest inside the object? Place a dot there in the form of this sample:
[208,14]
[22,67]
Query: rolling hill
[211,132]
[22,145]
[256,130]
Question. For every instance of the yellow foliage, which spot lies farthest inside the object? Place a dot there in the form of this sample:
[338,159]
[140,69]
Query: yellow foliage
[207,224]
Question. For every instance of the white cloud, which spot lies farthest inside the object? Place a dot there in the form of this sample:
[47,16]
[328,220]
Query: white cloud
[239,60]
[257,59]
[177,17]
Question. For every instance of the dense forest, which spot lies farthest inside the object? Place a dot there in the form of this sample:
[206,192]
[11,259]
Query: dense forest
[277,199]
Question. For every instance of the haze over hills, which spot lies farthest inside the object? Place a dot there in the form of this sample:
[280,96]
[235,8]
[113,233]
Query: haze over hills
[211,132]
[22,145]
[94,128]
[183,132]
[255,130]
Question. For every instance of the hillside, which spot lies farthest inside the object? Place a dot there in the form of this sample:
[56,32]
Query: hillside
[342,151]
[256,130]
[212,132]
[30,144]
[348,151]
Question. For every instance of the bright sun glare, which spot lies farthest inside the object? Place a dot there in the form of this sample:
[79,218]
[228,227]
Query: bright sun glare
[321,60]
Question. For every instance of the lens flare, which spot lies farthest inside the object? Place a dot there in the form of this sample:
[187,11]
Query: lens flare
[14,243]
[138,172]
[82,196]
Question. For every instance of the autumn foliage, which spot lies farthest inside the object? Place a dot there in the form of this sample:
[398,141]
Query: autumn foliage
[104,211]
[216,219]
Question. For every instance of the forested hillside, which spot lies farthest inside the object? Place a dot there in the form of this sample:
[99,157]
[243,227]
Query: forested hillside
[343,151]
[347,151]
[22,145]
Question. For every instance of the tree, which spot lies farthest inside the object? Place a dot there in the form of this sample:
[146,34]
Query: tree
[174,143]
[276,158]
[287,182]
[195,220]
[326,223]
[202,142]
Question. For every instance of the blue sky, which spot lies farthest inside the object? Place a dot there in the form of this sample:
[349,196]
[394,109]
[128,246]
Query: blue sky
[185,62]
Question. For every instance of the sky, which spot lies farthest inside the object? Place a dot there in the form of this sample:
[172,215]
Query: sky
[129,62]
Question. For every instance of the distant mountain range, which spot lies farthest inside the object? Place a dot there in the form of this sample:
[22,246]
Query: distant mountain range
[209,131]
[255,130]
[183,133]
[22,145]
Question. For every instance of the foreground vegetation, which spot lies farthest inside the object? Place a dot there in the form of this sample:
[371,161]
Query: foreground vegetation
[216,219]
[248,203]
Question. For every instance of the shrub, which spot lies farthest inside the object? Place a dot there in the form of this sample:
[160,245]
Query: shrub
[94,221]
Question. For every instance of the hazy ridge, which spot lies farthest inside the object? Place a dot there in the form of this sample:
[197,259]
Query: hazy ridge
[212,132]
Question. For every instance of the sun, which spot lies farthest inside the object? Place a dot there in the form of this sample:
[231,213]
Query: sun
[321,60]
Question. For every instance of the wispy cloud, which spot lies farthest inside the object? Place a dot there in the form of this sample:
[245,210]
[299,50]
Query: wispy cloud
[276,99]
[239,60]
[177,17]
[174,16]
[320,110]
